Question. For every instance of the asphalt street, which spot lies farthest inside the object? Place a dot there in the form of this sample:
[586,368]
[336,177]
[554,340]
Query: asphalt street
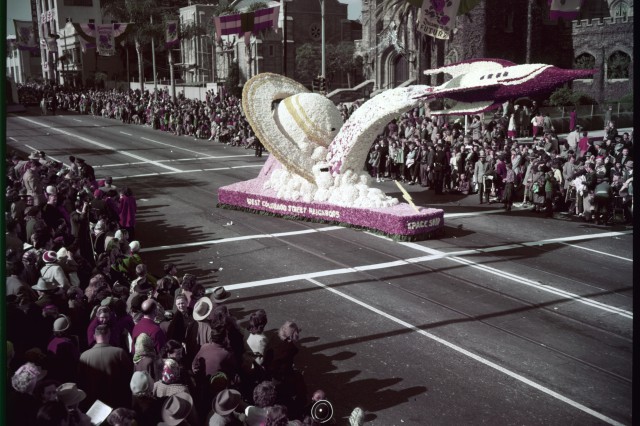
[509,318]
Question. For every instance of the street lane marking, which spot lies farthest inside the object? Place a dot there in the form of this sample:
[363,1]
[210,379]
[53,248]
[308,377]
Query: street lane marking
[599,252]
[526,281]
[174,146]
[436,255]
[13,139]
[210,157]
[242,238]
[471,355]
[79,121]
[181,172]
[125,133]
[103,146]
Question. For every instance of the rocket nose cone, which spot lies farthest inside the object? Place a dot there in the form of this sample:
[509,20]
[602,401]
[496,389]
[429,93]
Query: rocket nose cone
[560,75]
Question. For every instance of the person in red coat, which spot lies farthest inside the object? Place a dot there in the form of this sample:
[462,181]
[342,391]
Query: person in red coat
[127,211]
[148,325]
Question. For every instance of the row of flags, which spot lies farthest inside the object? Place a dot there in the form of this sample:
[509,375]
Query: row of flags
[103,37]
[246,23]
[437,17]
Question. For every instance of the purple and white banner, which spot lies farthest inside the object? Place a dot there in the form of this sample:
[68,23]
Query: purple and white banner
[171,31]
[25,36]
[438,17]
[105,40]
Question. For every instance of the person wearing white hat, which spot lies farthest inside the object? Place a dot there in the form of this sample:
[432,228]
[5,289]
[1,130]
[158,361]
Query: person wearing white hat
[52,271]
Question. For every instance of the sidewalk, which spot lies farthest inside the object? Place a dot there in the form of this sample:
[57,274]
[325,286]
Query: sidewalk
[594,135]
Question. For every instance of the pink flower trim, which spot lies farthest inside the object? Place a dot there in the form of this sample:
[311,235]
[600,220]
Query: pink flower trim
[398,220]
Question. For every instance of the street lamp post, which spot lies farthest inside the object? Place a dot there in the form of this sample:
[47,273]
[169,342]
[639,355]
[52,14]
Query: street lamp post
[171,76]
[324,69]
[153,61]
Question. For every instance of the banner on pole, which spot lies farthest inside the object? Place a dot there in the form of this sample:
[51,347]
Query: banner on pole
[438,17]
[25,36]
[105,40]
[171,33]
[565,9]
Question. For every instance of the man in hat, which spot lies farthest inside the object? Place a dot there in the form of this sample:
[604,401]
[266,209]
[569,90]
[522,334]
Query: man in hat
[438,167]
[49,296]
[219,295]
[32,182]
[52,271]
[480,169]
[178,410]
[148,325]
[224,409]
[199,331]
[71,396]
[142,288]
[104,371]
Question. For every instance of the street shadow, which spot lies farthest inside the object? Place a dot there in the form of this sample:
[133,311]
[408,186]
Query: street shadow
[343,388]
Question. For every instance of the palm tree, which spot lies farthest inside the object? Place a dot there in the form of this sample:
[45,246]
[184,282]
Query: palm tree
[137,14]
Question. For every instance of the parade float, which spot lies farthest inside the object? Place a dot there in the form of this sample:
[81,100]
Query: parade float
[315,170]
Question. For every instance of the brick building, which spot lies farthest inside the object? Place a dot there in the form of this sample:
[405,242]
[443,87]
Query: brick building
[601,38]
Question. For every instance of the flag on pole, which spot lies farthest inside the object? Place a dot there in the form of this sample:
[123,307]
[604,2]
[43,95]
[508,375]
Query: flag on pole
[250,22]
[266,18]
[565,9]
[171,33]
[25,35]
[438,17]
[105,41]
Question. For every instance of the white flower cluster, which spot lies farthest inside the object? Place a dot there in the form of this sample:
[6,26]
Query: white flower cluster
[348,189]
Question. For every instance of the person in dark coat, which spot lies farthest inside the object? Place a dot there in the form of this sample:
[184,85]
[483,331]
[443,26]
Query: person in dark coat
[22,405]
[104,372]
[182,319]
[146,406]
[63,351]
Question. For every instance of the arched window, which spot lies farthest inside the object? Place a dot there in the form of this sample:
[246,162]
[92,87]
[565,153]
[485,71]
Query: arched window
[585,61]
[618,65]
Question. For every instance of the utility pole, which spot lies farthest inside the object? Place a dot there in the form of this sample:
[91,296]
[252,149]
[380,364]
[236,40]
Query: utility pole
[171,76]
[324,65]
[529,30]
[284,38]
[153,61]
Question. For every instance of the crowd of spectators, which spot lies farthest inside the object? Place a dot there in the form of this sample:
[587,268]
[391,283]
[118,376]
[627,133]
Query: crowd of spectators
[88,324]
[218,117]
[87,320]
[579,175]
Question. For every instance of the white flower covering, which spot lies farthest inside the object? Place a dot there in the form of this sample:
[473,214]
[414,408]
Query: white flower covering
[348,189]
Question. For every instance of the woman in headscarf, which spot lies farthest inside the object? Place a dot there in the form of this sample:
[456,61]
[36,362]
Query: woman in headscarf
[170,382]
[145,357]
